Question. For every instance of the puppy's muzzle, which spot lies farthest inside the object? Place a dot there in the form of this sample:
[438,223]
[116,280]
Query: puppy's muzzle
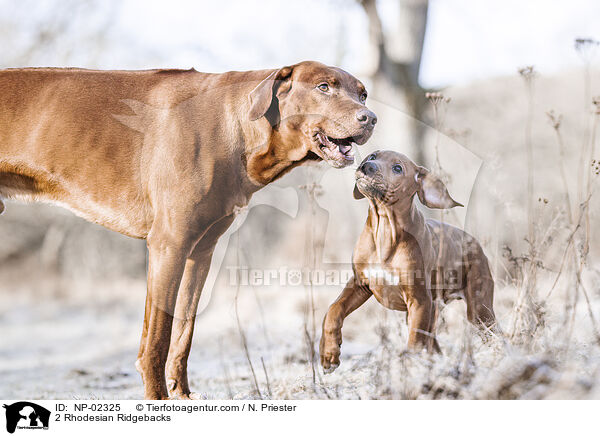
[368,168]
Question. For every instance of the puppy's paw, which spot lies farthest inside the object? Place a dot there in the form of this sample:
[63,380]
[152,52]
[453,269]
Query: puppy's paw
[331,368]
[330,359]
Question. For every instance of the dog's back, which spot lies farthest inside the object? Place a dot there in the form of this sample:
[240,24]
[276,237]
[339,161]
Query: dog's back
[454,254]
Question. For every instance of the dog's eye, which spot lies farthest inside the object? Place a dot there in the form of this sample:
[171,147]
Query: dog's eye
[397,169]
[363,97]
[323,87]
[372,157]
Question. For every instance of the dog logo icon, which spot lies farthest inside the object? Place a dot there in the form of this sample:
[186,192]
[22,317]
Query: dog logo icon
[26,415]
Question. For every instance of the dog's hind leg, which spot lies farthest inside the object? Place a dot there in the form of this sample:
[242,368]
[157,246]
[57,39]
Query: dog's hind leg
[480,292]
[1,206]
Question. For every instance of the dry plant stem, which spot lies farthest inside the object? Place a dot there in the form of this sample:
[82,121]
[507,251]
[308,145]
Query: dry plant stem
[436,98]
[570,320]
[437,164]
[589,307]
[589,173]
[262,361]
[526,317]
[309,316]
[312,189]
[263,324]
[226,371]
[239,324]
[562,160]
[529,81]
[382,369]
[564,257]
[578,262]
[586,48]
[584,142]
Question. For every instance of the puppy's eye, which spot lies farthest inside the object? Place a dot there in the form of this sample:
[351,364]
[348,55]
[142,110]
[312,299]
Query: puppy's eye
[397,169]
[363,97]
[372,157]
[324,87]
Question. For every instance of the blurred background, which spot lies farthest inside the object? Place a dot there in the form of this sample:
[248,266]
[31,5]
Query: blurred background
[514,144]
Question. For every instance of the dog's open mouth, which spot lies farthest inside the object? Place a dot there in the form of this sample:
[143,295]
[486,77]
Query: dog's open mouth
[337,150]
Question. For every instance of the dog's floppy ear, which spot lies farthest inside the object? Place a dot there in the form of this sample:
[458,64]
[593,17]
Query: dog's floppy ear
[432,192]
[261,97]
[357,194]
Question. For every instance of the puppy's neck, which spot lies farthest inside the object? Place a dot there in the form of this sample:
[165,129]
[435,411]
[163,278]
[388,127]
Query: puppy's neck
[394,223]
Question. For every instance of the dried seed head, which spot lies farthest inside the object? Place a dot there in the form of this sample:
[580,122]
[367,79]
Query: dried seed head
[555,119]
[586,47]
[436,98]
[528,72]
[596,103]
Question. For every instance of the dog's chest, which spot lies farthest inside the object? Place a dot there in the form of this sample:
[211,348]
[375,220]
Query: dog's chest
[386,284]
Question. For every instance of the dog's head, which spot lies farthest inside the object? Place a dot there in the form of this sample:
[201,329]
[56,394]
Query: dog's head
[388,177]
[317,111]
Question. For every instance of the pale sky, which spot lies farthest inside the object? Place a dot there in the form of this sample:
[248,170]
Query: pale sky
[466,39]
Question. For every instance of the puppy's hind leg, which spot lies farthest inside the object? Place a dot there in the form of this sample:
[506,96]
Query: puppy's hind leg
[480,294]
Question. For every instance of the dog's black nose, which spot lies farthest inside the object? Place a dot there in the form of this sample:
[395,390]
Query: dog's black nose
[368,168]
[366,117]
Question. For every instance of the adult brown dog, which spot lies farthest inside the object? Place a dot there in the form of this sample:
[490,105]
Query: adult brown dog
[406,261]
[168,156]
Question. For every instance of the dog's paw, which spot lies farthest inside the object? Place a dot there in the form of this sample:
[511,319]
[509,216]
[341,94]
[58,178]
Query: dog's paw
[332,367]
[330,359]
[190,396]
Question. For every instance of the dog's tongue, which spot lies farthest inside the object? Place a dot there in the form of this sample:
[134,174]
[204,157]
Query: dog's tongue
[345,148]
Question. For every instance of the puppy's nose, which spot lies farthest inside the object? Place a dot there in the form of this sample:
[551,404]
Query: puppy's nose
[369,168]
[366,117]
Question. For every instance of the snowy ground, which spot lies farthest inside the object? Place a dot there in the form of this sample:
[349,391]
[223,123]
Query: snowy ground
[83,345]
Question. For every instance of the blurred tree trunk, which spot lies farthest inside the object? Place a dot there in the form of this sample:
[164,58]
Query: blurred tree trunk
[396,62]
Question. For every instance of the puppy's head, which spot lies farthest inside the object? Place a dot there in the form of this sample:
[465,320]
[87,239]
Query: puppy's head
[388,177]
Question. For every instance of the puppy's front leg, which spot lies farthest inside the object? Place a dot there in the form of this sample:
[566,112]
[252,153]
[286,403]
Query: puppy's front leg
[351,298]
[420,319]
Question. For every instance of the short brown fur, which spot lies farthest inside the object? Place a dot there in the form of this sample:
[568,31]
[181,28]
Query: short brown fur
[406,261]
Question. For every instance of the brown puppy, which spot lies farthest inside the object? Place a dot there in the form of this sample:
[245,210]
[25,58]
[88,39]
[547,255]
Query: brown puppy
[169,156]
[408,261]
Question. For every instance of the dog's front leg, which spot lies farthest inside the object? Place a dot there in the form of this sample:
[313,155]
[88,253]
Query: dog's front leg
[420,319]
[190,290]
[351,298]
[165,269]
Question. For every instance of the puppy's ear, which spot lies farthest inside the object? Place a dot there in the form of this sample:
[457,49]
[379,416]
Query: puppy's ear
[357,194]
[432,192]
[261,97]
